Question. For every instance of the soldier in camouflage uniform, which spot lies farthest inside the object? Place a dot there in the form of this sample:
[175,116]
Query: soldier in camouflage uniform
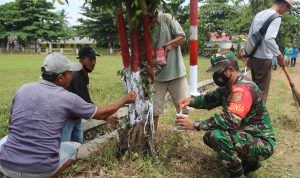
[242,135]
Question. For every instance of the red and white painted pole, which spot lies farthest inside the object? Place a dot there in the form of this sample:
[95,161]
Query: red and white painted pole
[193,47]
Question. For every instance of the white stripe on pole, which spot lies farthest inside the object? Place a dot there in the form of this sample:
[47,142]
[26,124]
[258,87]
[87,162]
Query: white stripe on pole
[193,32]
[193,79]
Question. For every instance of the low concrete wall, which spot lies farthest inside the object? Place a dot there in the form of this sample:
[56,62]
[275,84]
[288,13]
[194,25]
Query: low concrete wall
[86,149]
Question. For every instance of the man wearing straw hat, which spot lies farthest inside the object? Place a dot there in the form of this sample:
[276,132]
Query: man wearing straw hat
[261,61]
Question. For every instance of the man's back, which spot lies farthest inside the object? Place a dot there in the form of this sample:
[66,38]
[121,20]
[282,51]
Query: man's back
[295,53]
[268,47]
[257,122]
[38,113]
[79,85]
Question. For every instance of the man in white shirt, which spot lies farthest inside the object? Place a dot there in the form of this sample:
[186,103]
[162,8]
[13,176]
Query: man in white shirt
[261,62]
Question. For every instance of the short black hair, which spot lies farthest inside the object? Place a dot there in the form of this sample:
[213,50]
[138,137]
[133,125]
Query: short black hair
[48,77]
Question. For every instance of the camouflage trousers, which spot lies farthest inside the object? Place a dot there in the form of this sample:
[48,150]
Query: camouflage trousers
[235,149]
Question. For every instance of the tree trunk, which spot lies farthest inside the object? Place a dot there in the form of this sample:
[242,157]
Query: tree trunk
[147,37]
[138,134]
[122,35]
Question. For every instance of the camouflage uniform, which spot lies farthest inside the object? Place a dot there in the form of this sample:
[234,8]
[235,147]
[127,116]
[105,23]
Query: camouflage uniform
[243,133]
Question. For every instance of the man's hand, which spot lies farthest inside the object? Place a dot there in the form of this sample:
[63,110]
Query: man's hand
[248,63]
[179,40]
[183,102]
[112,119]
[280,60]
[242,53]
[184,123]
[167,49]
[245,60]
[130,97]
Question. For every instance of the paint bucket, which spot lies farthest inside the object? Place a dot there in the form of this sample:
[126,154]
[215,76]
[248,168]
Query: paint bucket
[160,57]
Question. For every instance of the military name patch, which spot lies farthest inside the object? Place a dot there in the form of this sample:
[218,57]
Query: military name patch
[236,107]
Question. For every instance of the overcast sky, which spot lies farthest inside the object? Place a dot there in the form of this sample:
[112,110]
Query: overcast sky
[73,9]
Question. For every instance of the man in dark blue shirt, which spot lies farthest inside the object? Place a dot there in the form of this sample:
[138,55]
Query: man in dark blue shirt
[79,85]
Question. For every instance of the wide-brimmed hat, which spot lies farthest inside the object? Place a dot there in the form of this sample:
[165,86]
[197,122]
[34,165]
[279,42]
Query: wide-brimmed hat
[290,2]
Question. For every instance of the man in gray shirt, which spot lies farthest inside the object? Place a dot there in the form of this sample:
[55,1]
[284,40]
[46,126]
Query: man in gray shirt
[39,110]
[261,62]
[171,77]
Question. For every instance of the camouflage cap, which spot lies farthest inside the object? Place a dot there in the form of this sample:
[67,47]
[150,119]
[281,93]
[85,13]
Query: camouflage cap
[221,60]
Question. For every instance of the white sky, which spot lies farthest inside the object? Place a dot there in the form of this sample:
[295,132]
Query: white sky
[73,9]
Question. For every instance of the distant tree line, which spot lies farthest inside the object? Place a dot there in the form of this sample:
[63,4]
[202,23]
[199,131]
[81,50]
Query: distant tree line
[30,20]
[233,17]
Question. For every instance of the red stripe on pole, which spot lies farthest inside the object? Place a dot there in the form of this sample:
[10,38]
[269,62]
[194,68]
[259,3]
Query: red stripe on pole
[194,12]
[193,52]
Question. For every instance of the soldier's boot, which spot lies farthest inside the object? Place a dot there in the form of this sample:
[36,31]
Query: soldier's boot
[236,172]
[251,167]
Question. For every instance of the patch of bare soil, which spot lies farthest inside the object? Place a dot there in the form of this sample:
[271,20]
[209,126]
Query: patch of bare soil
[289,149]
[286,122]
[290,145]
[294,73]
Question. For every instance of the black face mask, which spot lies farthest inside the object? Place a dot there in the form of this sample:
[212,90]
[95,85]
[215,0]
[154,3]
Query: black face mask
[220,79]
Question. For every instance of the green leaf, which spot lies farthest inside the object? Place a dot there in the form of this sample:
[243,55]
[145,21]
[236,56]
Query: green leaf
[135,3]
[138,12]
[134,156]
[60,2]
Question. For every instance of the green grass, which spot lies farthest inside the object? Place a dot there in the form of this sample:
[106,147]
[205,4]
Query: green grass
[181,158]
[105,85]
[176,157]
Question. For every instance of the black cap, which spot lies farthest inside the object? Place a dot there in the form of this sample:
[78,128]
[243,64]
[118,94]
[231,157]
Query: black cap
[87,51]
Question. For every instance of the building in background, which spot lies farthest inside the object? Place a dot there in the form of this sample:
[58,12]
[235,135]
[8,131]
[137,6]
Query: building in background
[69,46]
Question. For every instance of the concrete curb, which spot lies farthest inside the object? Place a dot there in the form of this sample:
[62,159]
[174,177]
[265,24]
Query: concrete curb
[86,149]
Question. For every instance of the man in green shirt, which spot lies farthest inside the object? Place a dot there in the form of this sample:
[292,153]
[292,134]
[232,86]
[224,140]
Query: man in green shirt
[288,54]
[171,77]
[242,135]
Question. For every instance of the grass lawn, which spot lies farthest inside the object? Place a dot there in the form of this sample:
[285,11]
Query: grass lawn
[105,85]
[176,157]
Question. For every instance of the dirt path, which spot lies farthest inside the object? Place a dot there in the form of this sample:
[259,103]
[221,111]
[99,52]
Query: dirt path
[289,146]
[294,74]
